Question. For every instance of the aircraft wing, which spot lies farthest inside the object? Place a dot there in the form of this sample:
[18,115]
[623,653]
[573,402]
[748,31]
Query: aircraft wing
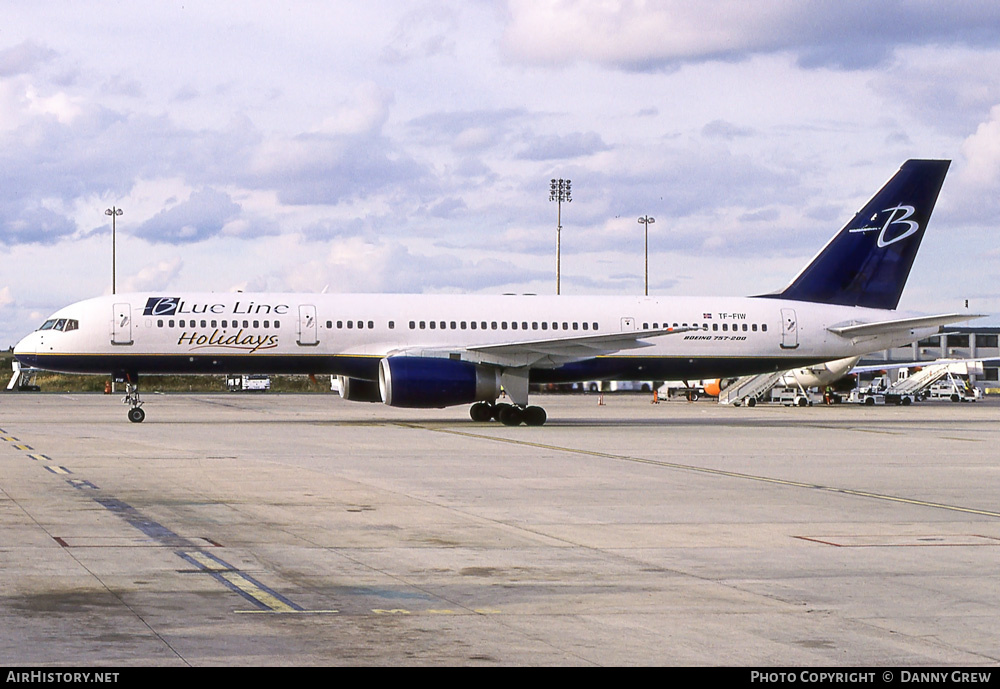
[855,329]
[552,352]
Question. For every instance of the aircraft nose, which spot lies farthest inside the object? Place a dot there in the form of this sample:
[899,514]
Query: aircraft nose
[26,350]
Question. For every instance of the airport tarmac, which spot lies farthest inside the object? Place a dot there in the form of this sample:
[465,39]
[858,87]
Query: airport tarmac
[305,530]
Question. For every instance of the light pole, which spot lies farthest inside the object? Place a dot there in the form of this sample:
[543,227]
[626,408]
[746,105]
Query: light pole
[114,213]
[647,220]
[559,190]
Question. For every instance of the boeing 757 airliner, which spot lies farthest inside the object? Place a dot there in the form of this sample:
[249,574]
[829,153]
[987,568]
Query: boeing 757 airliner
[442,350]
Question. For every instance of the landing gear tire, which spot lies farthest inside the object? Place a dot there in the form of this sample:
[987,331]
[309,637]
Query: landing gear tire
[136,415]
[510,415]
[498,409]
[534,416]
[481,411]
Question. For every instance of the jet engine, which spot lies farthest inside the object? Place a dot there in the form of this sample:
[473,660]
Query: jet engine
[359,390]
[424,382]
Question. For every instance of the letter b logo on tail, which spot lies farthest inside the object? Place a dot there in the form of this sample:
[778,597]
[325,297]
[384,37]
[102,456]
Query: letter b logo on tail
[912,226]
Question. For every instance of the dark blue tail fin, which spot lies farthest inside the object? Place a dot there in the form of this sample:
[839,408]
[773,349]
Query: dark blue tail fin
[867,262]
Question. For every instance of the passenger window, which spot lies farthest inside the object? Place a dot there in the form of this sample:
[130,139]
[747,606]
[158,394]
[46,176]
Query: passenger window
[433,325]
[763,327]
[392,325]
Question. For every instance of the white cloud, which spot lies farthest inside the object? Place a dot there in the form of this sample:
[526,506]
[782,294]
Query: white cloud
[157,276]
[982,153]
[366,112]
[662,34]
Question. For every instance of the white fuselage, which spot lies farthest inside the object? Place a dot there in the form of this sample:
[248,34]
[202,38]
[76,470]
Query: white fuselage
[349,334]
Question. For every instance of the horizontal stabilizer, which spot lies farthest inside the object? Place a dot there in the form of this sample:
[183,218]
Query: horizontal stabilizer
[884,327]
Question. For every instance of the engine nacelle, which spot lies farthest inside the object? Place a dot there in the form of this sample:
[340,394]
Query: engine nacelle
[359,390]
[424,382]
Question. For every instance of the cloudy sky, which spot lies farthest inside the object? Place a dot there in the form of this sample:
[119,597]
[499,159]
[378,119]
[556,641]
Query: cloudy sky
[407,146]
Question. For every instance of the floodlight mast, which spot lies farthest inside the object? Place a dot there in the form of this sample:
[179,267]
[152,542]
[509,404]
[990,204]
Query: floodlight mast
[647,220]
[559,190]
[114,213]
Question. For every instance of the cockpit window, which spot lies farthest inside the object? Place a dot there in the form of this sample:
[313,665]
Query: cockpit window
[61,324]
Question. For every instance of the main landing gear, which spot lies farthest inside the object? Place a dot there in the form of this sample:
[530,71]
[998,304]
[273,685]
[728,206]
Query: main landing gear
[508,414]
[135,412]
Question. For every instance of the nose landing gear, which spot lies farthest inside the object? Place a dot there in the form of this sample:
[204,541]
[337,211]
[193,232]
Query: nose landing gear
[135,412]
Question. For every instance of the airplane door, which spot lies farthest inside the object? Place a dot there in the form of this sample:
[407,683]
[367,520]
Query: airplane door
[628,324]
[789,329]
[308,329]
[121,328]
